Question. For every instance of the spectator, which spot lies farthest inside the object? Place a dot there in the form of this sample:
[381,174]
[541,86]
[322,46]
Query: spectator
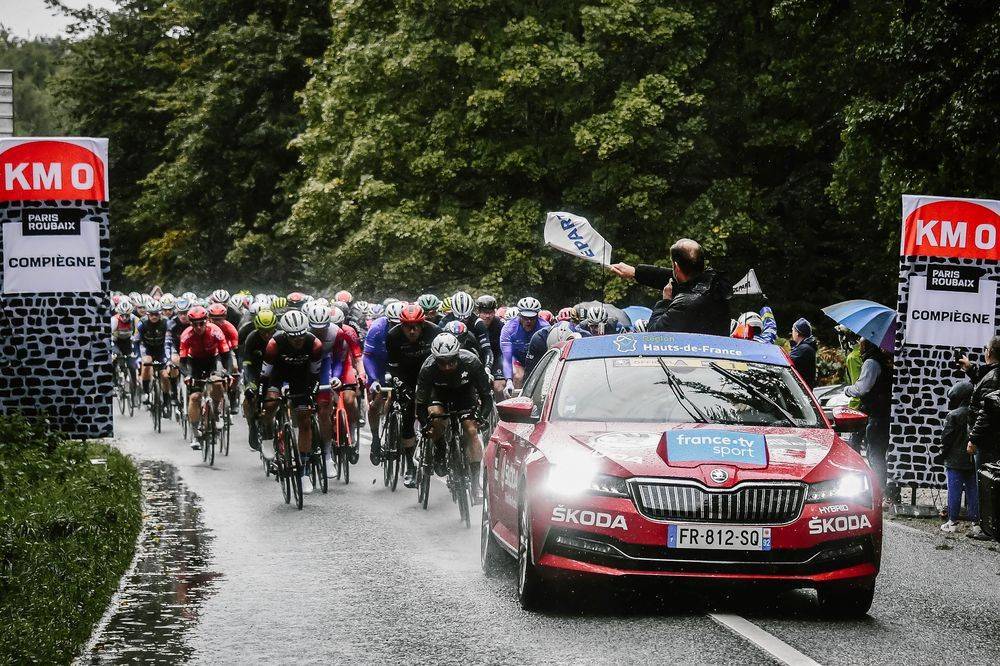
[959,466]
[985,377]
[850,343]
[695,299]
[804,351]
[873,388]
[984,438]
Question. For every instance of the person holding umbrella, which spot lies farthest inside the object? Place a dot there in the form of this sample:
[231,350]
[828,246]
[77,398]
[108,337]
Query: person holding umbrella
[874,390]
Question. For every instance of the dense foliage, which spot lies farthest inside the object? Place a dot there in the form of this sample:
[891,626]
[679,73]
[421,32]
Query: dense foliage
[400,146]
[67,532]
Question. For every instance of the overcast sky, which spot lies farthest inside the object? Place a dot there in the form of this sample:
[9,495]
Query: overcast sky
[31,18]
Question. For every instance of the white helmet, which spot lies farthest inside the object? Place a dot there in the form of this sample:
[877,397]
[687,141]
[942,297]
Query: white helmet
[639,326]
[319,317]
[255,307]
[236,302]
[147,301]
[219,296]
[462,305]
[190,296]
[336,316]
[167,301]
[512,313]
[752,320]
[528,307]
[124,308]
[561,332]
[362,308]
[445,345]
[392,311]
[596,314]
[135,297]
[321,301]
[294,323]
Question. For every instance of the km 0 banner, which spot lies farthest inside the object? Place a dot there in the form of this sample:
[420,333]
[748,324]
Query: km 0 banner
[948,272]
[54,214]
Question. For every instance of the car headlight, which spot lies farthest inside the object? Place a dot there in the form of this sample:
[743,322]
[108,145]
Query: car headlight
[854,488]
[576,478]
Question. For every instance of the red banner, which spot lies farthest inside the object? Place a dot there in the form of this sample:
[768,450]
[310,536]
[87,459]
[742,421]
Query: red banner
[40,169]
[952,228]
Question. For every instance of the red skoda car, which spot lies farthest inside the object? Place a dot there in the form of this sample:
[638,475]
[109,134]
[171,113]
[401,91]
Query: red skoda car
[679,456]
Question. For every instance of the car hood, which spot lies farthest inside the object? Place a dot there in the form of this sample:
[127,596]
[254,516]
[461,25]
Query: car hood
[639,450]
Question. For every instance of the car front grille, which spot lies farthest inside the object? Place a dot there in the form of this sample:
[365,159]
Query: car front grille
[750,503]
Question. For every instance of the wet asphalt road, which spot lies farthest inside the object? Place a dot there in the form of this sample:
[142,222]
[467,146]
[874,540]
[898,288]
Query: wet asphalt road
[363,575]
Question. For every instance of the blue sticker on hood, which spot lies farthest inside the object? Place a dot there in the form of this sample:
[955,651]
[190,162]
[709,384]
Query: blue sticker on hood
[716,446]
[676,344]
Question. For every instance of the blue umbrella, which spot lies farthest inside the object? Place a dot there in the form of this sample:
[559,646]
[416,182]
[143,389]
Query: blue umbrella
[636,312]
[872,321]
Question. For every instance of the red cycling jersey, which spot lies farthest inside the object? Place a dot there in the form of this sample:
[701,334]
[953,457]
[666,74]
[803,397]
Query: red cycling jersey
[232,335]
[205,344]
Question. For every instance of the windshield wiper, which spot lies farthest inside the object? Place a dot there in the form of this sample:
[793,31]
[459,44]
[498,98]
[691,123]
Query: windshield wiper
[675,385]
[732,376]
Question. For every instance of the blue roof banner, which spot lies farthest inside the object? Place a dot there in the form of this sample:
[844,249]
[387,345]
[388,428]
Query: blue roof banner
[676,344]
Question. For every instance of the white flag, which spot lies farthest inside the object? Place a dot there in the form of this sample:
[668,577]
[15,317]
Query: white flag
[748,286]
[573,235]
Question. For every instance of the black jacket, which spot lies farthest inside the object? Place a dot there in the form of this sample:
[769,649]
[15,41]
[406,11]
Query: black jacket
[985,431]
[700,305]
[653,276]
[804,359]
[986,378]
[955,434]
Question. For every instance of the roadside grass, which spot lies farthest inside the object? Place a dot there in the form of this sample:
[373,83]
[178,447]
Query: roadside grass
[67,532]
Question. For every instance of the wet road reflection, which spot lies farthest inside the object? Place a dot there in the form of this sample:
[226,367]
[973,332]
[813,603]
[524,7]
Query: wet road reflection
[161,599]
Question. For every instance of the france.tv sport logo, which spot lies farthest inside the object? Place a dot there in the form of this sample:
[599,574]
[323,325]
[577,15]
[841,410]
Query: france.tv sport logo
[724,446]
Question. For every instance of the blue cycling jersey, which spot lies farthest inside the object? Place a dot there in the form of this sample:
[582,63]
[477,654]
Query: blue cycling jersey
[514,341]
[376,358]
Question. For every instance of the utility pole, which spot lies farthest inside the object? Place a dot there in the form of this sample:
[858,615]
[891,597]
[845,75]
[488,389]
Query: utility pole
[6,102]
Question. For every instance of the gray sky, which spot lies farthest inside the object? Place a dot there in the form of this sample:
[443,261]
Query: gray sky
[30,18]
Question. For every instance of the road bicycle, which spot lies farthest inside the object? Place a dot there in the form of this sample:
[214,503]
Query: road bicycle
[286,464]
[125,383]
[459,479]
[208,431]
[392,443]
[342,448]
[157,405]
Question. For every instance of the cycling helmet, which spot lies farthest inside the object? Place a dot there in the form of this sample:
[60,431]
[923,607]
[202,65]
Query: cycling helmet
[265,320]
[566,314]
[362,307]
[124,308]
[392,311]
[429,302]
[387,301]
[167,301]
[319,317]
[147,301]
[182,304]
[219,296]
[279,302]
[325,302]
[445,345]
[375,310]
[561,332]
[411,314]
[545,315]
[639,326]
[446,305]
[528,307]
[462,305]
[501,312]
[197,313]
[512,313]
[190,295]
[596,314]
[217,310]
[154,307]
[294,324]
[752,320]
[295,300]
[343,296]
[486,303]
[456,327]
[135,297]
[254,308]
[344,308]
[336,316]
[236,302]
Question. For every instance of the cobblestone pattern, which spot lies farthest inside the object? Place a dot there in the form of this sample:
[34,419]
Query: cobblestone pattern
[922,377]
[55,352]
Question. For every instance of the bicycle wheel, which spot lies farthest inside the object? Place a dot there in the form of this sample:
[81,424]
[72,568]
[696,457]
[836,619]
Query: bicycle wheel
[227,427]
[211,434]
[394,430]
[294,467]
[460,482]
[131,395]
[157,407]
[424,472]
[344,450]
[319,459]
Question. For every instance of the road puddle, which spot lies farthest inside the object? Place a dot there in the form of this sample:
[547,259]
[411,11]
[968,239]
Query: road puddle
[161,599]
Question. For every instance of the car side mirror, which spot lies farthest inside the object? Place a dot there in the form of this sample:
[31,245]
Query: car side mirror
[846,419]
[517,410]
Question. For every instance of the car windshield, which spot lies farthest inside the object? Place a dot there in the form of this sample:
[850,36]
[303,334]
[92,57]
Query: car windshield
[683,390]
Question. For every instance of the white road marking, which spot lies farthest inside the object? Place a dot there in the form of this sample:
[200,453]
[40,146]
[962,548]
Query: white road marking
[767,642]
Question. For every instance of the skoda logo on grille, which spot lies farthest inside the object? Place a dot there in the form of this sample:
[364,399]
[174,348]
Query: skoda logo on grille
[719,475]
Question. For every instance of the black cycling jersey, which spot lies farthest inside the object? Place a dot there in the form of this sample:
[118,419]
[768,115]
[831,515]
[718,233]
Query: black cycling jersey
[152,336]
[471,344]
[253,355]
[405,357]
[455,386]
[244,332]
[233,316]
[489,334]
[175,328]
[537,346]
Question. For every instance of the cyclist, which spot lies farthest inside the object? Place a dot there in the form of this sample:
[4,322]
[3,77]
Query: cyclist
[154,345]
[343,296]
[334,357]
[204,353]
[566,314]
[463,310]
[407,346]
[514,341]
[293,357]
[353,369]
[217,313]
[123,327]
[466,339]
[596,321]
[222,297]
[375,360]
[296,300]
[430,303]
[264,322]
[447,313]
[454,380]
[486,310]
